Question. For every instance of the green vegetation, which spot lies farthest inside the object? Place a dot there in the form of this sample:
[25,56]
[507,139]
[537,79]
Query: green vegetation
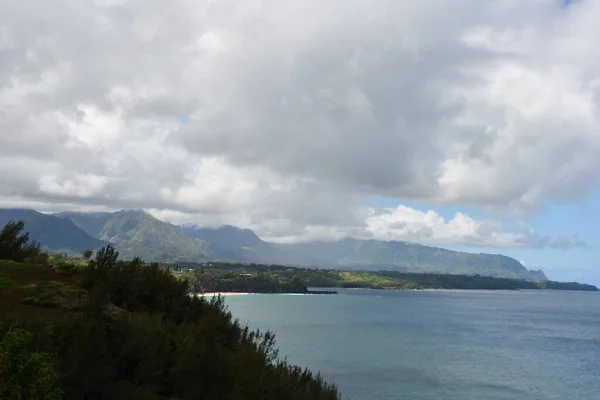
[138,234]
[5,282]
[26,373]
[232,277]
[112,329]
[15,244]
[229,279]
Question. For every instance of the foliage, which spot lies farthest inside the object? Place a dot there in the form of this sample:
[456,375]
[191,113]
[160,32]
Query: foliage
[216,280]
[56,295]
[6,282]
[221,276]
[15,244]
[87,253]
[140,335]
[168,344]
[24,372]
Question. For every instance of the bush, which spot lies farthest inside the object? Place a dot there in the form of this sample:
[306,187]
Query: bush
[15,244]
[24,372]
[5,282]
[170,345]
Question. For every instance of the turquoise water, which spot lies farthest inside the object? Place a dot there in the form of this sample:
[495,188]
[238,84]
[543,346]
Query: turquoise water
[450,345]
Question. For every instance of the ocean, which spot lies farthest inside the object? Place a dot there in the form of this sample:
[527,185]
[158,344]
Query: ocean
[442,345]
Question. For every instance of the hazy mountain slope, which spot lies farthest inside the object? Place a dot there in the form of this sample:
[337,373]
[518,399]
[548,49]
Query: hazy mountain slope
[53,233]
[138,234]
[231,243]
[402,256]
[92,223]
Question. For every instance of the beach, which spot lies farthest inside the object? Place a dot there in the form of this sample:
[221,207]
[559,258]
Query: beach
[212,294]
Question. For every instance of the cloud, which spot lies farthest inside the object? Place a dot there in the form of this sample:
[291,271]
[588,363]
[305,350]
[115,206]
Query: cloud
[567,242]
[408,224]
[285,115]
[400,223]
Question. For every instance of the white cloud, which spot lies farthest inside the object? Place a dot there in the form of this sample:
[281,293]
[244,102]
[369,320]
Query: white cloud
[408,224]
[296,110]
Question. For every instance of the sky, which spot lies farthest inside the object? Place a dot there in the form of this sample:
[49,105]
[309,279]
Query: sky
[466,124]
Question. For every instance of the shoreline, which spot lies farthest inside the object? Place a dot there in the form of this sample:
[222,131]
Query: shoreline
[213,294]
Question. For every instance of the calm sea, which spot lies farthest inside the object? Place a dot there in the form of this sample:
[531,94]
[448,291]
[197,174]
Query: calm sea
[446,345]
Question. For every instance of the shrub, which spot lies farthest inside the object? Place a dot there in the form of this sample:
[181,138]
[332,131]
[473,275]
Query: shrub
[5,282]
[24,372]
[15,244]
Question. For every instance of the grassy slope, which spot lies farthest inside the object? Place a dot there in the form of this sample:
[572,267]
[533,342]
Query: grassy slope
[11,298]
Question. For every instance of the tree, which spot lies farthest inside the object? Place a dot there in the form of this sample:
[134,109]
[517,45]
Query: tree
[106,257]
[87,253]
[24,372]
[15,244]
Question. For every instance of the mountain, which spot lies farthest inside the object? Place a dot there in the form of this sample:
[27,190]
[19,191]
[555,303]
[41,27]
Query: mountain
[403,256]
[230,243]
[53,233]
[92,223]
[136,233]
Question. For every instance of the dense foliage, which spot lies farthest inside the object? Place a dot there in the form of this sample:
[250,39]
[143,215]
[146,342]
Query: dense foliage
[133,332]
[15,243]
[25,374]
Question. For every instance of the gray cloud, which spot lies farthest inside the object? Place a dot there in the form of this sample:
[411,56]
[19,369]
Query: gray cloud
[283,116]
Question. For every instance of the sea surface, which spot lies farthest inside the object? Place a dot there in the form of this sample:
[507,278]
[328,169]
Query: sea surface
[442,345]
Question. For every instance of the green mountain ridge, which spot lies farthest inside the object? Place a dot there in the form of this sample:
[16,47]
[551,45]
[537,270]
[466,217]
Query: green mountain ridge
[51,232]
[407,257]
[138,234]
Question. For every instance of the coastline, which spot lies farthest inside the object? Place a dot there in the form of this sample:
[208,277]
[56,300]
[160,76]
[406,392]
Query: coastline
[213,294]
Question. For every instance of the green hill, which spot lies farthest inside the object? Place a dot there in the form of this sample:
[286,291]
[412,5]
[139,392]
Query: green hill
[138,234]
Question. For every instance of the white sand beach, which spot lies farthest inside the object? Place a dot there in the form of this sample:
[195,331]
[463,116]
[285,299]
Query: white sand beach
[212,294]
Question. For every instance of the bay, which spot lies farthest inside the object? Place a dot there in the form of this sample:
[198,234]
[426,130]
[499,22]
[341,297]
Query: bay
[453,345]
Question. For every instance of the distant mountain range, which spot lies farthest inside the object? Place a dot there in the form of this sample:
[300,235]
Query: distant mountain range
[137,233]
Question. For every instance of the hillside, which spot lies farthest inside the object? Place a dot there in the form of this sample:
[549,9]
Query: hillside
[53,233]
[403,256]
[92,223]
[136,233]
[231,243]
[150,339]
